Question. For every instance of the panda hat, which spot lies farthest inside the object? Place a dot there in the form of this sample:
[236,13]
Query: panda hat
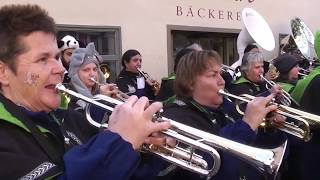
[68,42]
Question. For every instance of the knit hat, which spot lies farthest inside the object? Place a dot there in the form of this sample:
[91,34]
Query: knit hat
[68,42]
[285,62]
[80,57]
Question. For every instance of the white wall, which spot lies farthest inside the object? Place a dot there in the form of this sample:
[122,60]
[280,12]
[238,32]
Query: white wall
[144,22]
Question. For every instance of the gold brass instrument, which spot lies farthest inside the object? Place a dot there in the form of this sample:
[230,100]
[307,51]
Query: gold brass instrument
[267,161]
[272,72]
[155,85]
[120,95]
[303,119]
[105,70]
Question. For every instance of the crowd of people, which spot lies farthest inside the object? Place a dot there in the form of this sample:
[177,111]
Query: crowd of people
[45,134]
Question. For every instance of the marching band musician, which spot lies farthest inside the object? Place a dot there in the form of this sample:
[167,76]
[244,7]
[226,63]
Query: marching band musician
[304,91]
[198,104]
[166,93]
[250,81]
[304,156]
[288,69]
[36,142]
[87,79]
[66,46]
[130,80]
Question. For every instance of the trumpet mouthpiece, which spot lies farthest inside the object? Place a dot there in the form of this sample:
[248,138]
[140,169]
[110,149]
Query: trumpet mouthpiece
[92,79]
[60,87]
[221,91]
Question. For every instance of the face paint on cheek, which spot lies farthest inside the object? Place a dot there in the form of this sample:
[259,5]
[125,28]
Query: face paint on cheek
[31,78]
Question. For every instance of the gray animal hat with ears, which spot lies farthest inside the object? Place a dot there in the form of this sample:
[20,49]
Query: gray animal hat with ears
[80,57]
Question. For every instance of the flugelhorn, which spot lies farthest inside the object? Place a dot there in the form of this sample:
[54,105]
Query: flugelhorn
[303,119]
[267,161]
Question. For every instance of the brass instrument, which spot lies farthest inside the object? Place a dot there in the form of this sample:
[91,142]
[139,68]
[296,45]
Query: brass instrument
[155,85]
[285,97]
[104,67]
[303,119]
[272,72]
[267,161]
[300,42]
[235,73]
[225,68]
[120,95]
[255,30]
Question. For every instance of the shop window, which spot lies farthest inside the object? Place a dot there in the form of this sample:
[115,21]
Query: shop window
[107,41]
[224,43]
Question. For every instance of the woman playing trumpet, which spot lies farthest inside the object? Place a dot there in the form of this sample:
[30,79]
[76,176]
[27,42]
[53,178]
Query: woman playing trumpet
[200,105]
[87,79]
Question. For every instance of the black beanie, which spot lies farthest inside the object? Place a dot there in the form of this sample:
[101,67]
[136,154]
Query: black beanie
[285,62]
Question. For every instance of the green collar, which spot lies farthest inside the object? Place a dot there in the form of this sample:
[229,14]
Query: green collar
[172,76]
[8,117]
[302,84]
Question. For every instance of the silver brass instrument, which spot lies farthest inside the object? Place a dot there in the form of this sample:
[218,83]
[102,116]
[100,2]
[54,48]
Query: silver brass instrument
[300,41]
[285,97]
[303,119]
[255,30]
[267,161]
[225,68]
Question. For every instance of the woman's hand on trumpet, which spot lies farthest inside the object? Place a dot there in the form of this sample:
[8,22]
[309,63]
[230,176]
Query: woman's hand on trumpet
[136,113]
[160,139]
[109,90]
[278,118]
[257,109]
[276,89]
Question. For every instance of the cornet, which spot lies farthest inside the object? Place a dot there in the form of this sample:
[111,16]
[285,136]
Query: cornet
[304,120]
[267,161]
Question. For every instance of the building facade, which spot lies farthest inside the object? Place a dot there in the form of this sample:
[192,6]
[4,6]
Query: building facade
[158,29]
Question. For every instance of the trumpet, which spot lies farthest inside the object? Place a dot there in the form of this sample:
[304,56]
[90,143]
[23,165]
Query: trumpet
[155,84]
[267,161]
[120,95]
[303,119]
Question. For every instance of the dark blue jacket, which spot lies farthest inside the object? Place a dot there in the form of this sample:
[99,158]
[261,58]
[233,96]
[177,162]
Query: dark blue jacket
[105,156]
[215,121]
